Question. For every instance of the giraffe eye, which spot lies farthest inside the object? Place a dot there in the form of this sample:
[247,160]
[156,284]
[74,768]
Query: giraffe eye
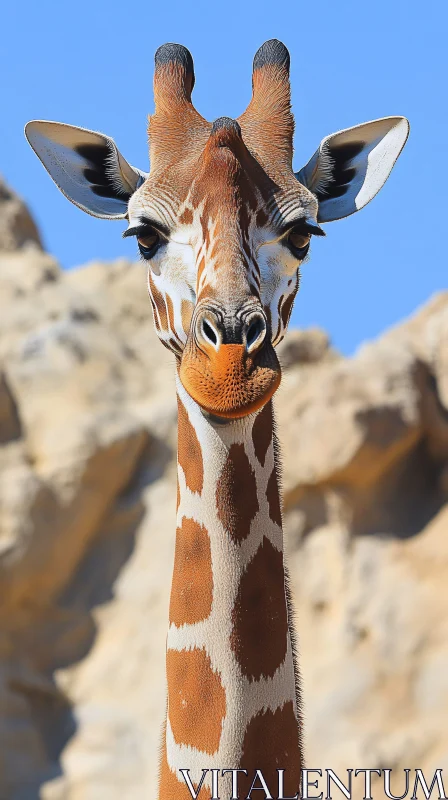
[148,245]
[298,243]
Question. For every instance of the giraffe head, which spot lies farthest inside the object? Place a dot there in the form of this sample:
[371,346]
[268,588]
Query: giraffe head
[222,219]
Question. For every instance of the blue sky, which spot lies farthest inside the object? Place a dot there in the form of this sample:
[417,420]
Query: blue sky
[91,64]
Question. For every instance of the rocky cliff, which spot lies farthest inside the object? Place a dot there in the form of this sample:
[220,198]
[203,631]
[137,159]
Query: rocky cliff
[87,510]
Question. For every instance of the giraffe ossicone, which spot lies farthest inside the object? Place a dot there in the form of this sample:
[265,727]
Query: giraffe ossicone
[224,223]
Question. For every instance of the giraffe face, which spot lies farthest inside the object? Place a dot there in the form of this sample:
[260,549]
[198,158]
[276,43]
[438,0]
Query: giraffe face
[223,260]
[224,225]
[222,220]
[234,235]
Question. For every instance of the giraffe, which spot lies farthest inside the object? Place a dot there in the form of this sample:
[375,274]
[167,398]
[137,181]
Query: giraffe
[224,224]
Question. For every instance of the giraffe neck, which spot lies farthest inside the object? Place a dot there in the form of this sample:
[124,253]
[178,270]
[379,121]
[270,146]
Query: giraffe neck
[231,678]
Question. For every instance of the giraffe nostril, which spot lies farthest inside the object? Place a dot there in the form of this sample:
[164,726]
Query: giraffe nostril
[214,327]
[255,333]
[209,333]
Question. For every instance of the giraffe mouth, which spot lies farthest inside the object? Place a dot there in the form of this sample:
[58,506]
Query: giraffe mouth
[229,383]
[214,419]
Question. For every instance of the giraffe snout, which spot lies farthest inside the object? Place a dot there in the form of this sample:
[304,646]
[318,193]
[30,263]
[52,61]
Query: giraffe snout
[229,366]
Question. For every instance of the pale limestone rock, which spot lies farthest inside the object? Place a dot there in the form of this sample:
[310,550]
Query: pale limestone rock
[305,347]
[87,523]
[9,420]
[17,227]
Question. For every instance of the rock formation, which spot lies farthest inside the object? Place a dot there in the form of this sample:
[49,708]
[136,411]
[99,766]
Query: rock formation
[87,521]
[17,227]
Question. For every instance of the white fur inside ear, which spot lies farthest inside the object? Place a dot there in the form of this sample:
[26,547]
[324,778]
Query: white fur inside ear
[324,170]
[86,166]
[380,160]
[350,166]
[114,173]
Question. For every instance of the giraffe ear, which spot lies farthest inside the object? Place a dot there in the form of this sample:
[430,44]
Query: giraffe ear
[87,167]
[351,166]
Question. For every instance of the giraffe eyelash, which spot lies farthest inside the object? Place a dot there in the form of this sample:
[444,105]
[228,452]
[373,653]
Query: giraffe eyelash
[145,229]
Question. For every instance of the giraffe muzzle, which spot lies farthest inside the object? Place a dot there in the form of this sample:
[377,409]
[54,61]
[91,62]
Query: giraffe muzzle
[229,366]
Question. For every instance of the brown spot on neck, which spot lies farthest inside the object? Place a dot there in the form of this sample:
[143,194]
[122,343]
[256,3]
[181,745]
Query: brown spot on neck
[236,494]
[192,586]
[262,432]
[189,453]
[196,699]
[271,742]
[259,636]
